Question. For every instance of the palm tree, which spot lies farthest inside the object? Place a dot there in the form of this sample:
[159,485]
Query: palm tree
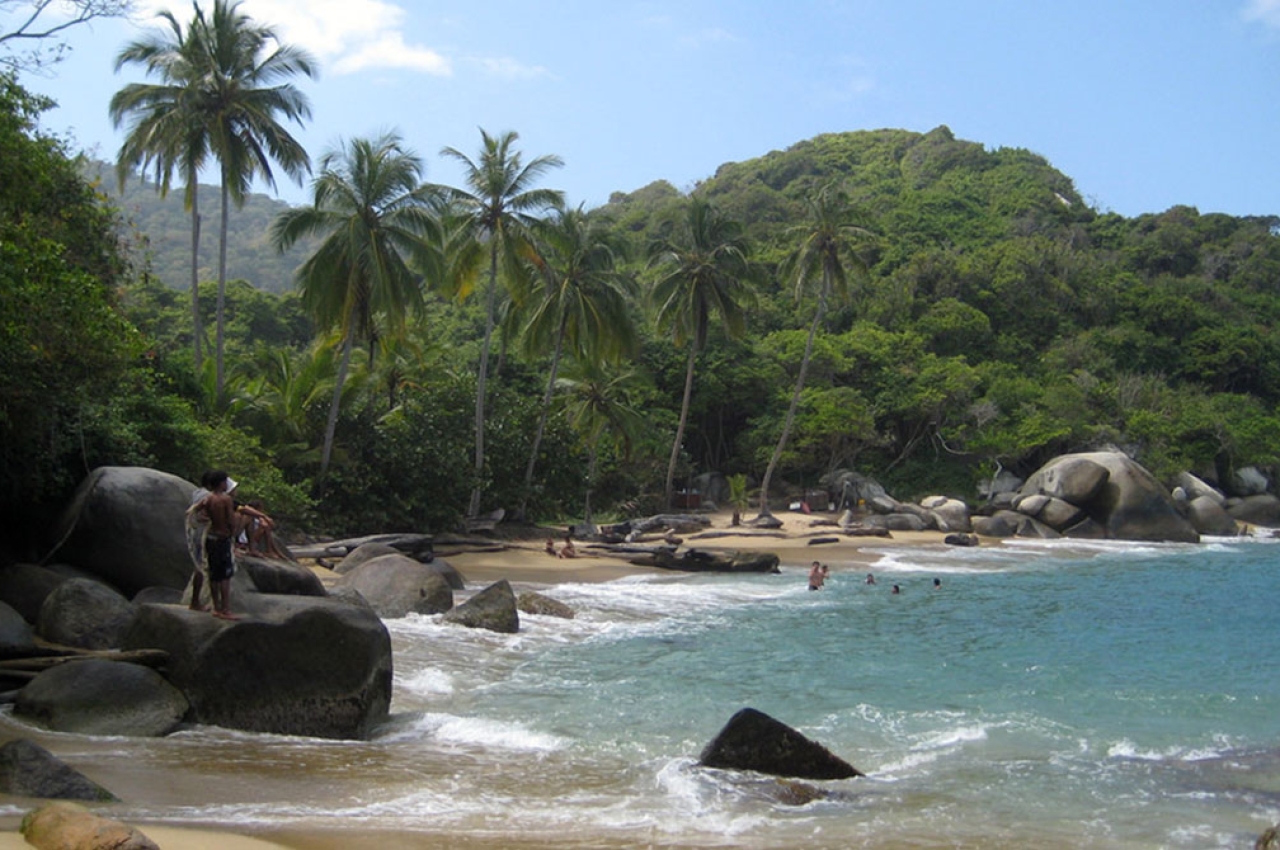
[600,402]
[241,89]
[582,302]
[500,201]
[370,211]
[166,130]
[826,255]
[702,272]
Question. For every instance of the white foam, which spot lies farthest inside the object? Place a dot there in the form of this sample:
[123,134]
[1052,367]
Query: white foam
[487,734]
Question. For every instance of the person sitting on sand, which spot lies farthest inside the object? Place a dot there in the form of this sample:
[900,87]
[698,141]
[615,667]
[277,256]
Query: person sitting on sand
[568,551]
[551,546]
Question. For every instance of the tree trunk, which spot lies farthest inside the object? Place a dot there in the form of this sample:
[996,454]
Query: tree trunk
[197,332]
[795,403]
[222,293]
[331,426]
[542,420]
[684,417]
[482,379]
[592,456]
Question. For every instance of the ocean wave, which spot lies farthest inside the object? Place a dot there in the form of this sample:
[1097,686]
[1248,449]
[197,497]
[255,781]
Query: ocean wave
[479,732]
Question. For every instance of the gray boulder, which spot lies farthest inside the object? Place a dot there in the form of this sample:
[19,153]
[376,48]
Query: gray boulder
[1030,504]
[68,826]
[396,585]
[1000,524]
[1117,493]
[752,740]
[16,637]
[100,697]
[530,602]
[363,553]
[493,608]
[25,586]
[1059,514]
[950,515]
[1208,516]
[1196,487]
[704,561]
[905,522]
[1073,478]
[1249,481]
[125,524]
[270,575]
[29,770]
[302,665]
[1263,509]
[84,613]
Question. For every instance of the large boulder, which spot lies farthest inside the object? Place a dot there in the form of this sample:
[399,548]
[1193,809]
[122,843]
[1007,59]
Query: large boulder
[949,514]
[531,602]
[1117,493]
[396,585]
[29,770]
[270,575]
[66,826]
[125,524]
[363,553]
[16,637]
[1208,516]
[100,697]
[493,608]
[1196,487]
[752,740]
[1249,481]
[302,665]
[25,586]
[85,613]
[1261,510]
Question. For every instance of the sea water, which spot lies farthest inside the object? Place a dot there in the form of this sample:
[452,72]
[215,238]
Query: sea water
[1058,694]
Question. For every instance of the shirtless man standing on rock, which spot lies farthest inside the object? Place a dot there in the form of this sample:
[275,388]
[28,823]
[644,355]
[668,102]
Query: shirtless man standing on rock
[221,511]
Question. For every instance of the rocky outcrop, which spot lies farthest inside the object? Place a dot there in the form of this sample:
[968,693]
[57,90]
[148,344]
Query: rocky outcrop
[16,637]
[493,608]
[752,740]
[363,553]
[949,515]
[530,602]
[125,525]
[62,826]
[396,585]
[300,666]
[1208,516]
[100,697]
[1114,492]
[1261,510]
[25,586]
[701,561]
[270,575]
[29,770]
[86,614]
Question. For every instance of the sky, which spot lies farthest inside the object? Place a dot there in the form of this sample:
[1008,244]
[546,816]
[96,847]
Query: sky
[1145,104]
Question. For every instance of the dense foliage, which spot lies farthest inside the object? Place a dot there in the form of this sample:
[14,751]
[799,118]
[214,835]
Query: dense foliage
[1000,321]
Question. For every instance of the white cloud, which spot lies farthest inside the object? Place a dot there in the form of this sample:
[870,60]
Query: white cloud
[1266,11]
[510,69]
[346,35]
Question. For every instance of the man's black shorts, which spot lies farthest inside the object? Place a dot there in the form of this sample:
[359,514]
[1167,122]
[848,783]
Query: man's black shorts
[217,552]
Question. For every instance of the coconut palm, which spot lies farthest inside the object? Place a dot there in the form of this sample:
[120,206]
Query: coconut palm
[600,403]
[826,256]
[370,212]
[703,271]
[500,201]
[581,301]
[166,129]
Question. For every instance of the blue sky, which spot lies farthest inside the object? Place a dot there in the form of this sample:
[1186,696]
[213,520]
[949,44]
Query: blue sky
[1143,103]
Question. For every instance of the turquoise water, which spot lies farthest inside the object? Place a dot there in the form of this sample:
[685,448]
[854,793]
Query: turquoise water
[1049,695]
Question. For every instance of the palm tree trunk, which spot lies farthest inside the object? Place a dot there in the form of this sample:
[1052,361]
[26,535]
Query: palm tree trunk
[669,493]
[542,419]
[473,509]
[331,426]
[795,403]
[222,292]
[593,455]
[196,330]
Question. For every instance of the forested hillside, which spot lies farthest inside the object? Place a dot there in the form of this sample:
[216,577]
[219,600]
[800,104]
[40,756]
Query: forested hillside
[973,314]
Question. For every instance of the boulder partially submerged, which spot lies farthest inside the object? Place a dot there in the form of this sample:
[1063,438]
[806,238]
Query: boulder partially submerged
[29,770]
[100,697]
[752,740]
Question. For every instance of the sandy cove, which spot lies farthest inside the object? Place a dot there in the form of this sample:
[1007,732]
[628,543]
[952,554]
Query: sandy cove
[525,563]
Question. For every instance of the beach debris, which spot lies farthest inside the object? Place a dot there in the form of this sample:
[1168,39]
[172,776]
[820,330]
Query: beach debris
[752,740]
[819,541]
[29,770]
[493,608]
[961,539]
[60,825]
[531,602]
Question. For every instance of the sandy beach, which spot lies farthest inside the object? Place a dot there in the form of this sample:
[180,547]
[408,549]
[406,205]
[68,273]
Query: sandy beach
[526,564]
